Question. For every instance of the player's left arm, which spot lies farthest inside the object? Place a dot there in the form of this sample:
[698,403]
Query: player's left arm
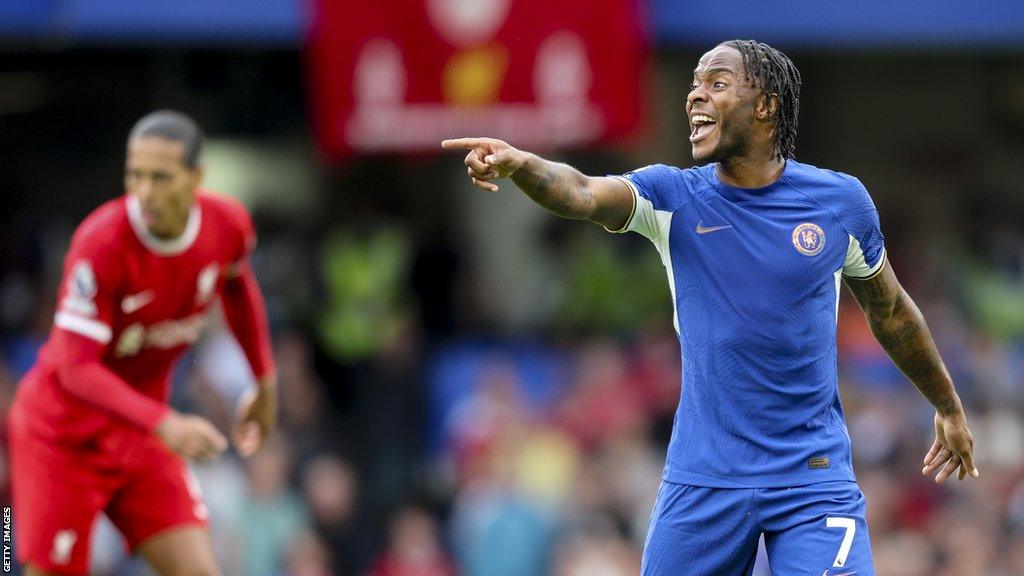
[246,314]
[900,328]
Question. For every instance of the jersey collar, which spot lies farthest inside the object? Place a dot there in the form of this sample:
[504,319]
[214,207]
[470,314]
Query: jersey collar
[734,194]
[158,245]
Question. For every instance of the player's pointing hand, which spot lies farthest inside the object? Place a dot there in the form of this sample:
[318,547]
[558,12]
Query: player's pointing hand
[488,159]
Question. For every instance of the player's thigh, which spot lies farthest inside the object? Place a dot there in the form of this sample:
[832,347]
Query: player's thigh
[818,529]
[701,531]
[55,503]
[53,519]
[160,506]
[181,551]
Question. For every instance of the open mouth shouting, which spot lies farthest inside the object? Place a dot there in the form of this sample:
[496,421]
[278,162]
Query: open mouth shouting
[702,126]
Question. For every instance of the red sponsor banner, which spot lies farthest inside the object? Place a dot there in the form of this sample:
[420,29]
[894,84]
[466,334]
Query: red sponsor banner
[401,75]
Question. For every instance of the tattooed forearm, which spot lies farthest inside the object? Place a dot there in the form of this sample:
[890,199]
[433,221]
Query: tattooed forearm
[907,340]
[902,331]
[558,187]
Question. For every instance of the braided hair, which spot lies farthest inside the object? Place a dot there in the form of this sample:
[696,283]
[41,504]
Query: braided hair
[776,75]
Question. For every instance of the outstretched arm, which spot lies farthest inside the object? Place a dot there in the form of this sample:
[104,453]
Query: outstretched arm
[901,330]
[558,187]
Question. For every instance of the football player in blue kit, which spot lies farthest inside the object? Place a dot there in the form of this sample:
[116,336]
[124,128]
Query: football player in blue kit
[756,245]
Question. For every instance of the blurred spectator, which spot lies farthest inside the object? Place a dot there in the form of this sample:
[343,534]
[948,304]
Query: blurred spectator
[496,528]
[224,485]
[363,267]
[590,556]
[273,514]
[603,402]
[904,553]
[546,463]
[495,532]
[632,466]
[308,556]
[331,489]
[305,414]
[414,547]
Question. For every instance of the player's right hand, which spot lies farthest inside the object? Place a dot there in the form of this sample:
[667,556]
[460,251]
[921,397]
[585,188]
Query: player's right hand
[488,159]
[190,436]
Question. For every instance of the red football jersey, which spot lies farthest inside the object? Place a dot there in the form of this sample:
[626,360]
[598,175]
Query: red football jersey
[138,302]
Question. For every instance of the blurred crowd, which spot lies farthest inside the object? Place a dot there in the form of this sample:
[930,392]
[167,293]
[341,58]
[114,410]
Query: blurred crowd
[413,444]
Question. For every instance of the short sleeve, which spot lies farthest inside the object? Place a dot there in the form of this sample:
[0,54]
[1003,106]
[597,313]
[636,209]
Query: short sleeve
[89,290]
[866,253]
[651,187]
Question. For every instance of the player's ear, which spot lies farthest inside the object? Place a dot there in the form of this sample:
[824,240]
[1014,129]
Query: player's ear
[767,106]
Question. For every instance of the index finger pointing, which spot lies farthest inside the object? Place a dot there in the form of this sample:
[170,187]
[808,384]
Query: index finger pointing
[461,143]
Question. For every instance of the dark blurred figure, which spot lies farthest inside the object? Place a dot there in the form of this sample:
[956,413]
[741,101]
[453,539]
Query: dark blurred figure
[312,426]
[308,556]
[414,547]
[331,490]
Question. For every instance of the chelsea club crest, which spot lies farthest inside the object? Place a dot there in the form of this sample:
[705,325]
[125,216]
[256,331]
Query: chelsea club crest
[808,239]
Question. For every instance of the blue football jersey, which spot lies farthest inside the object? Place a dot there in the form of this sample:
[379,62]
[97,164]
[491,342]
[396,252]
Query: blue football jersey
[755,279]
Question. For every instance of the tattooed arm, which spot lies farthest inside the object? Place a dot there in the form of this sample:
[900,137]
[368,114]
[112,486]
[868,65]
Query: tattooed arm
[558,187]
[900,328]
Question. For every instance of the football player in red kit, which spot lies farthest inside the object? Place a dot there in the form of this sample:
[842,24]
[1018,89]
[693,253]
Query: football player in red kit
[90,427]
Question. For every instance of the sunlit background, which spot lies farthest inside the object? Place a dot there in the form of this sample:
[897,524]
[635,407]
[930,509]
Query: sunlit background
[470,385]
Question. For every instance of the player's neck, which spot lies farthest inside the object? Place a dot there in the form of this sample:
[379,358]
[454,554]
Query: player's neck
[170,245]
[172,233]
[747,172]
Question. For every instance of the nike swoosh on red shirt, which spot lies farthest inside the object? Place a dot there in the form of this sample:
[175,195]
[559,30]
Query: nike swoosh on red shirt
[136,301]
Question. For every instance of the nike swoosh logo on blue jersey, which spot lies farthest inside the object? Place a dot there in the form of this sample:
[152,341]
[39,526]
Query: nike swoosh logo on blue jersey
[701,229]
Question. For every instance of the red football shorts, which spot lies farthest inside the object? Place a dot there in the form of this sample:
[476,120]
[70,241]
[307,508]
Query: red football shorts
[58,490]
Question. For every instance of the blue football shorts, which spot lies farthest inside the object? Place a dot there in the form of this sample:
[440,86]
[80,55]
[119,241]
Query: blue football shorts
[814,530]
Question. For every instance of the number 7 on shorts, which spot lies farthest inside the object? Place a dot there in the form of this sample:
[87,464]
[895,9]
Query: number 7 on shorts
[848,524]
